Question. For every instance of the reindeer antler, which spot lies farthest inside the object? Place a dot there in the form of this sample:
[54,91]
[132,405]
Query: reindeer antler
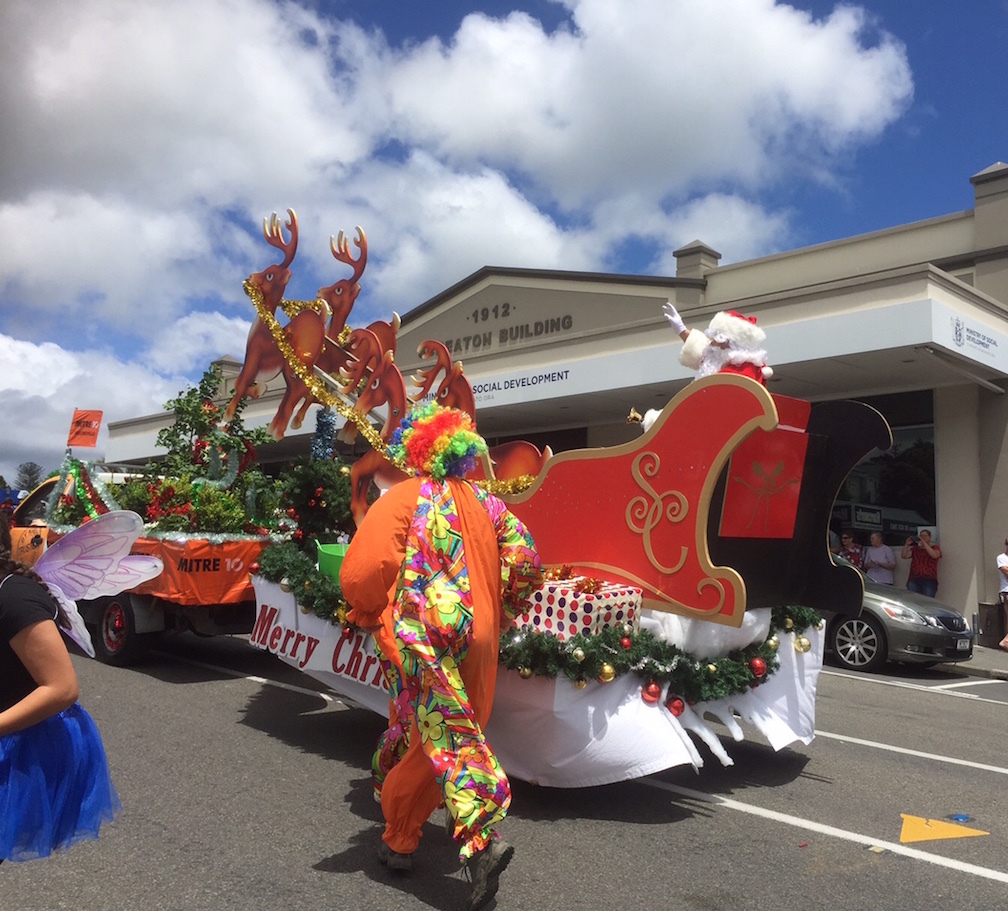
[341,251]
[424,379]
[273,232]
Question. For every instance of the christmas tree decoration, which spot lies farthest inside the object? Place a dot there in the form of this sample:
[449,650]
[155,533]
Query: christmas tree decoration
[774,642]
[802,644]
[578,654]
[524,673]
[676,706]
[758,667]
[581,683]
[607,674]
[651,693]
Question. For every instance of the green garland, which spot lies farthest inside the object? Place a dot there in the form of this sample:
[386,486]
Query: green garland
[614,652]
[603,656]
[317,593]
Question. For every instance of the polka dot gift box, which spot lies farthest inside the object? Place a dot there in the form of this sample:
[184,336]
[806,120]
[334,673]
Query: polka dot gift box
[566,607]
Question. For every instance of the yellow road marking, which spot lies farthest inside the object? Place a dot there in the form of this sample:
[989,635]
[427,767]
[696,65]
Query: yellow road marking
[917,828]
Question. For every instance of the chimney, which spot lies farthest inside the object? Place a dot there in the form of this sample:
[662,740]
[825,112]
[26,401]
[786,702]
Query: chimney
[990,207]
[695,260]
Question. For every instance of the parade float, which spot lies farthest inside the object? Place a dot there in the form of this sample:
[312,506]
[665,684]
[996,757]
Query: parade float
[684,569]
[205,515]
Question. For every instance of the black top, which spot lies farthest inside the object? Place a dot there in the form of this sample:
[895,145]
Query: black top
[23,602]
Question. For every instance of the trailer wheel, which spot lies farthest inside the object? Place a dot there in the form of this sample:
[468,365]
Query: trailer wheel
[115,637]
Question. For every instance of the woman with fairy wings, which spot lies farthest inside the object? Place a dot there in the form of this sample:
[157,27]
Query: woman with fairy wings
[437,569]
[55,787]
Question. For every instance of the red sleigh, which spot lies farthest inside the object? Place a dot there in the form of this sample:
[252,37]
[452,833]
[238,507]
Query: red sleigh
[722,505]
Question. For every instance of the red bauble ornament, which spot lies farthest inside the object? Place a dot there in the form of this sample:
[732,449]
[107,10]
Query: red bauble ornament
[319,491]
[298,534]
[625,642]
[676,706]
[758,667]
[292,512]
[651,692]
[254,568]
[311,502]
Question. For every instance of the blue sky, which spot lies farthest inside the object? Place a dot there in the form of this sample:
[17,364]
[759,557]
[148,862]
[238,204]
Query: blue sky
[143,144]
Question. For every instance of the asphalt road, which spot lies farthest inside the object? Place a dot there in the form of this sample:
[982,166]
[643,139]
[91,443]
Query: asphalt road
[242,793]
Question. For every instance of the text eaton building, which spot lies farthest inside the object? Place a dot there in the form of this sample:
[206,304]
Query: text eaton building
[912,320]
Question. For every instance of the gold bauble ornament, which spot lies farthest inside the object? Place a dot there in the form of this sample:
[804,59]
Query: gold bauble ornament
[712,668]
[578,655]
[525,672]
[627,629]
[284,585]
[774,642]
[789,623]
[802,644]
[581,683]
[607,674]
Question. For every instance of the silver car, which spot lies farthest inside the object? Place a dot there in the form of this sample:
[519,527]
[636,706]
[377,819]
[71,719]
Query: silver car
[897,625]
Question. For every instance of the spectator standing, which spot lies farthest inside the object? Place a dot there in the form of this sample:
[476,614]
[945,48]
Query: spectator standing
[1002,565]
[850,550]
[879,561]
[923,557]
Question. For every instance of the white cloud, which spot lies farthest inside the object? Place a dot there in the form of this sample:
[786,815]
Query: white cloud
[653,96]
[40,385]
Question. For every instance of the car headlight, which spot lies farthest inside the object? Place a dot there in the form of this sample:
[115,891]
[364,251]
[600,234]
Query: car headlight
[905,614]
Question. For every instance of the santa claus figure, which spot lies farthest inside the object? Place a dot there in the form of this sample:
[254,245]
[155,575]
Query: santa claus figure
[732,343]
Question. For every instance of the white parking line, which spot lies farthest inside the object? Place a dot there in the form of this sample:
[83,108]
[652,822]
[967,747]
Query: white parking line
[962,683]
[941,688]
[935,757]
[830,831]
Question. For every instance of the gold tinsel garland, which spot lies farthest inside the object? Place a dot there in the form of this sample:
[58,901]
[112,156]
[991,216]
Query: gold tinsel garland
[315,386]
[325,397]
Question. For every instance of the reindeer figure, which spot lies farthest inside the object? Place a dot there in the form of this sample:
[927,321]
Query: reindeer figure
[387,387]
[364,352]
[324,352]
[342,294]
[263,360]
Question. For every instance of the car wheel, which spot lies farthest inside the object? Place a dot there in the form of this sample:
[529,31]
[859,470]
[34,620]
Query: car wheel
[859,643]
[115,637]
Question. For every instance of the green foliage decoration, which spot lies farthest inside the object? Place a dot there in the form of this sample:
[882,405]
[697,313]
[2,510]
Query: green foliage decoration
[317,494]
[692,678]
[315,592]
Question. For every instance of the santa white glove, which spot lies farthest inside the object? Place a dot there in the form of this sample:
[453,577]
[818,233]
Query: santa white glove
[672,315]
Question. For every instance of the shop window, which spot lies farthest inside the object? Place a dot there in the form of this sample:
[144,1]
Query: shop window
[894,491]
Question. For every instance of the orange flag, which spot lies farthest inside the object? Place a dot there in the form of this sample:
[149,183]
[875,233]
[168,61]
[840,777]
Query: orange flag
[84,428]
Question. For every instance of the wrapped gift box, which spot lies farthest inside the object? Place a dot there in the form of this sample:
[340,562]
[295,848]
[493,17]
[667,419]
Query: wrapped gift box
[563,609]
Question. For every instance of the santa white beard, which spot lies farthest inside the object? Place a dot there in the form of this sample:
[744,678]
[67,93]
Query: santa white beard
[715,358]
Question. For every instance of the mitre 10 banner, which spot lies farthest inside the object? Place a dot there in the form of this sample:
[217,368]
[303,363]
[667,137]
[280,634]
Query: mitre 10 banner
[84,428]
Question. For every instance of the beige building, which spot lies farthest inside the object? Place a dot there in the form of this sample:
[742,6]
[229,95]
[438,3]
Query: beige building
[913,320]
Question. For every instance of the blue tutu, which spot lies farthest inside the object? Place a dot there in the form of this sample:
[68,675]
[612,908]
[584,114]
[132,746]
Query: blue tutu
[55,787]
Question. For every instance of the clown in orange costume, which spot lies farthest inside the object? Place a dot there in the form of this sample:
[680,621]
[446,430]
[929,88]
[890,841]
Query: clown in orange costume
[437,569]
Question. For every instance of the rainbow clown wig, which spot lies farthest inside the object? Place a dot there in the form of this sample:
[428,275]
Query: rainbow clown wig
[436,441]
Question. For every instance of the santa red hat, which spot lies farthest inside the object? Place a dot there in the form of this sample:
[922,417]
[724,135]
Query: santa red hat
[729,326]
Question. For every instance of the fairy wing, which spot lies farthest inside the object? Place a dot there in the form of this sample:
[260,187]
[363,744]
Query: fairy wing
[78,629]
[94,560]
